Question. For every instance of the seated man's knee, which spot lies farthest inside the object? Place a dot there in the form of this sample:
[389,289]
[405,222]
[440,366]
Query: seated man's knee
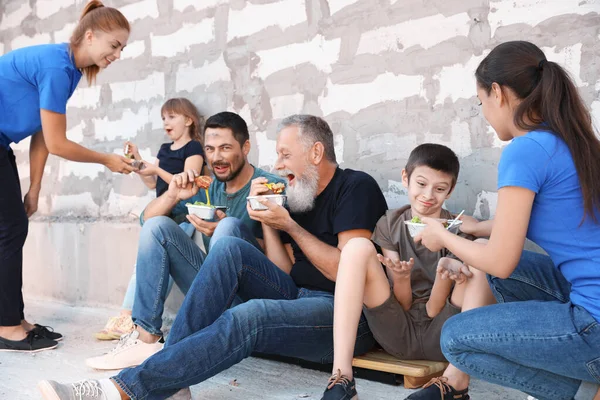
[227,244]
[228,226]
[155,225]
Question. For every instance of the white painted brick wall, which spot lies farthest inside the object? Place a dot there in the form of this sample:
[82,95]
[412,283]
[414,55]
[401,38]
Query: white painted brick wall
[145,89]
[387,76]
[256,17]
[181,40]
[13,19]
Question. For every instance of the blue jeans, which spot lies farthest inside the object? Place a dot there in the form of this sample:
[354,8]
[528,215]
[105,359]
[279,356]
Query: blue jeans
[208,336]
[166,251]
[129,298]
[535,340]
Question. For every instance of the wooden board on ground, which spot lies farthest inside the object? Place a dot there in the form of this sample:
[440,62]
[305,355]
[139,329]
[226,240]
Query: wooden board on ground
[416,372]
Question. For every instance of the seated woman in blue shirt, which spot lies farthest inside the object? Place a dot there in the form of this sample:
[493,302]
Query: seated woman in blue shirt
[35,84]
[543,336]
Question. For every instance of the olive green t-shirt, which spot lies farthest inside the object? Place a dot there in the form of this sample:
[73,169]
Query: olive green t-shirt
[392,234]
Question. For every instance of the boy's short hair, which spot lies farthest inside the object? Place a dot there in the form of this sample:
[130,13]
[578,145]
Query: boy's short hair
[434,156]
[232,121]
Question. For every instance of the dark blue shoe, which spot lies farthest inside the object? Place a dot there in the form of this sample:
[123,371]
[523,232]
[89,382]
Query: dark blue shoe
[340,388]
[439,389]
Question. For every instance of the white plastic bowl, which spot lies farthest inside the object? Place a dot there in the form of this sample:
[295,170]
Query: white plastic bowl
[203,212]
[415,228]
[256,205]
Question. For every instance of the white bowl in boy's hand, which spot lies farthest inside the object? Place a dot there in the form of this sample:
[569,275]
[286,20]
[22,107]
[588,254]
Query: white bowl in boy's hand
[414,228]
[256,205]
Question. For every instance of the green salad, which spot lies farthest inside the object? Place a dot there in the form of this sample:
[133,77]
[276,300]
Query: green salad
[417,220]
[199,203]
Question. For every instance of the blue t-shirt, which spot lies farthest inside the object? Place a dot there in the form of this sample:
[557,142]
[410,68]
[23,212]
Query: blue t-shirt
[173,161]
[34,78]
[541,162]
[235,202]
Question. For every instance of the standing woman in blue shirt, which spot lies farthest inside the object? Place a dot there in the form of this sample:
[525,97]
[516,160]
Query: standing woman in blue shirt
[35,84]
[543,336]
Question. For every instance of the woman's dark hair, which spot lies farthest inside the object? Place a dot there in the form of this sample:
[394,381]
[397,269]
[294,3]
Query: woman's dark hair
[549,102]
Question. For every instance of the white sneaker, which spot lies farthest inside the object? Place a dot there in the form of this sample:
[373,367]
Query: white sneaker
[82,390]
[130,352]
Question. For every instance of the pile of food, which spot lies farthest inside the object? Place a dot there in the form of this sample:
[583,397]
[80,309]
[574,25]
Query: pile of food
[199,203]
[275,188]
[417,220]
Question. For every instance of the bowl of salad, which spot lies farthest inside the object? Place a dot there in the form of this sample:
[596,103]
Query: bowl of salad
[203,210]
[256,205]
[415,225]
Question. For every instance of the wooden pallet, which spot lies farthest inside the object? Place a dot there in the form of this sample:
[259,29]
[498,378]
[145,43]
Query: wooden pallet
[416,372]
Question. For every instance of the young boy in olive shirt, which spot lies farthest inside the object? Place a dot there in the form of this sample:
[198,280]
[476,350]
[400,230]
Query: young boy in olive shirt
[406,309]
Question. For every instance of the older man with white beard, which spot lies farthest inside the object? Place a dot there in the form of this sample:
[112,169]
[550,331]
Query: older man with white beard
[287,292]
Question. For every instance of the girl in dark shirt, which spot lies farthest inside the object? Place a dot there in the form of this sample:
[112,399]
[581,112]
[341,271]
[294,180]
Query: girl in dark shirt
[182,124]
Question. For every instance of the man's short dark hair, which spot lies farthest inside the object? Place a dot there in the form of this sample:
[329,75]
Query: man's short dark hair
[229,120]
[434,156]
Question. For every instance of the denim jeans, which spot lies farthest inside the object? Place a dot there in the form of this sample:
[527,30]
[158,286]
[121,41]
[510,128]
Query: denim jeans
[535,340]
[129,298]
[166,251]
[208,336]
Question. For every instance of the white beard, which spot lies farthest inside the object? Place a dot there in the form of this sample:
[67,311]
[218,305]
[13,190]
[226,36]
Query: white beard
[301,196]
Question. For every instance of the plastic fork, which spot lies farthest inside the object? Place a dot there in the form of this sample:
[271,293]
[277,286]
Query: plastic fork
[455,219]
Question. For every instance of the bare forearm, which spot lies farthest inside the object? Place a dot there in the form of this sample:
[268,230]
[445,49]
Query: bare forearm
[439,294]
[403,292]
[484,228]
[162,205]
[487,257]
[38,155]
[164,175]
[74,152]
[150,181]
[275,249]
[324,257]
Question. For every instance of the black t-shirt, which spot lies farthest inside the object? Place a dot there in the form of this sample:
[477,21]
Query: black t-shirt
[352,200]
[173,161]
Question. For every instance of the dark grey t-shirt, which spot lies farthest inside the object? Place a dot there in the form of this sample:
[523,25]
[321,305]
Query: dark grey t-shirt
[392,234]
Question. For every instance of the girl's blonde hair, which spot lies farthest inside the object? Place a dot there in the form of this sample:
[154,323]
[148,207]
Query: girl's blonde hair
[183,106]
[97,17]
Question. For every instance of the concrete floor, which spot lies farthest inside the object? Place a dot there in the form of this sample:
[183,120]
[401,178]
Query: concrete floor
[257,379]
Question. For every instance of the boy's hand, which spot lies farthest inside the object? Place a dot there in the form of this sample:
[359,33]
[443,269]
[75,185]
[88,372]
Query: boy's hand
[450,268]
[469,224]
[400,269]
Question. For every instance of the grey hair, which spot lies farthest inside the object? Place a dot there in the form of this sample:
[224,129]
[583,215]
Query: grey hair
[312,129]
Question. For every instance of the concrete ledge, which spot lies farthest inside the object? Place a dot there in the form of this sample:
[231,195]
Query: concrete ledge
[79,263]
